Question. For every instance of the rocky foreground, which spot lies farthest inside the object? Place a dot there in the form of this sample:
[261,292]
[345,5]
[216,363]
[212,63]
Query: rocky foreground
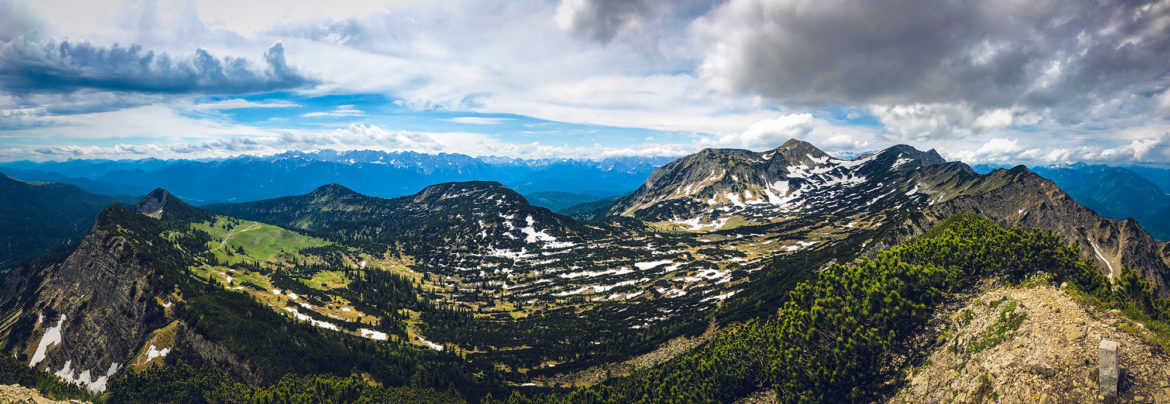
[1035,345]
[17,394]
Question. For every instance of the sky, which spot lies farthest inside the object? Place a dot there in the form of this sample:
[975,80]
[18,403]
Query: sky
[996,81]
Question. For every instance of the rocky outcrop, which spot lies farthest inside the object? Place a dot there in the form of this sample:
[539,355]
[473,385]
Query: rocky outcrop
[17,394]
[153,204]
[1033,345]
[217,354]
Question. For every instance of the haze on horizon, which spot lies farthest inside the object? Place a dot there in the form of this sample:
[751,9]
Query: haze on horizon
[1001,81]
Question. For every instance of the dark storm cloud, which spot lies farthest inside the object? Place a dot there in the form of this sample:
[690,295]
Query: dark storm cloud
[601,20]
[28,67]
[1065,54]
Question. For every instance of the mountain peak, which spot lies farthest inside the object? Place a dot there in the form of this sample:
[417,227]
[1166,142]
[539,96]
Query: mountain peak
[927,158]
[161,204]
[798,151]
[154,204]
[478,190]
[332,190]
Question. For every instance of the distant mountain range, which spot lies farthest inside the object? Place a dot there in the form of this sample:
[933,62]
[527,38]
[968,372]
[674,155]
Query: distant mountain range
[375,173]
[1142,193]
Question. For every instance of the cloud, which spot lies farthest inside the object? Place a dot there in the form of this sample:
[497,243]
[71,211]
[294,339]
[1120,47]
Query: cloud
[919,122]
[240,103]
[1067,57]
[601,20]
[773,132]
[1147,150]
[340,112]
[63,67]
[478,120]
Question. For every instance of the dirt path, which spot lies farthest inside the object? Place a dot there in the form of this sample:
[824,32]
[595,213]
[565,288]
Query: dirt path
[234,232]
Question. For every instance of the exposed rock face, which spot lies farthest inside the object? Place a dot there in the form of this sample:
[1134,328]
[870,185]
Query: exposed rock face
[153,204]
[1050,356]
[928,158]
[1029,201]
[83,317]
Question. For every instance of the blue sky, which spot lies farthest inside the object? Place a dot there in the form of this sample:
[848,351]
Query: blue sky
[1000,81]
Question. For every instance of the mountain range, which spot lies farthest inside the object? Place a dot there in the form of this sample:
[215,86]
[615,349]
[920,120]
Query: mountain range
[726,274]
[385,174]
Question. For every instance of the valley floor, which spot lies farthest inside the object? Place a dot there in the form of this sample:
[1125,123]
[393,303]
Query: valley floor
[1034,345]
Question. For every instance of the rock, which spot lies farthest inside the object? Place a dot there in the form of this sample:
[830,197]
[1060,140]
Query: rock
[18,394]
[1073,332]
[1109,370]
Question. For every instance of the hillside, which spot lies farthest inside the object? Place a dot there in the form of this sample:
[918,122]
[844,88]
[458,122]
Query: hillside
[38,217]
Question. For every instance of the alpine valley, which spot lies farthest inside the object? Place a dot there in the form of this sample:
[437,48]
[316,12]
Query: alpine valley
[727,276]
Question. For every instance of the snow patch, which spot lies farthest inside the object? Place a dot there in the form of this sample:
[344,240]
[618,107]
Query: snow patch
[310,320]
[374,335]
[652,264]
[154,352]
[52,337]
[1102,257]
[430,344]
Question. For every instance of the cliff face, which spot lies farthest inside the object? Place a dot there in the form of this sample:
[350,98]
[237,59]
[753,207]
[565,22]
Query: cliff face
[1029,201]
[83,317]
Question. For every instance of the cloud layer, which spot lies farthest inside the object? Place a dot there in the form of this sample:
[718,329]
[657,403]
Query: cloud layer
[992,54]
[985,81]
[32,67]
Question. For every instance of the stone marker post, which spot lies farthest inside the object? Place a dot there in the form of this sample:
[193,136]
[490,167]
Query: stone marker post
[1110,372]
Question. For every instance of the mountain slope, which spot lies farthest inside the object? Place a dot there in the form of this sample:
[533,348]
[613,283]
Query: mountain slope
[38,217]
[1115,192]
[1028,201]
[83,317]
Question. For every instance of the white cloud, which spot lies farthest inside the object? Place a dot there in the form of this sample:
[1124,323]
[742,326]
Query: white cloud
[918,122]
[994,119]
[478,120]
[770,133]
[340,112]
[240,103]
